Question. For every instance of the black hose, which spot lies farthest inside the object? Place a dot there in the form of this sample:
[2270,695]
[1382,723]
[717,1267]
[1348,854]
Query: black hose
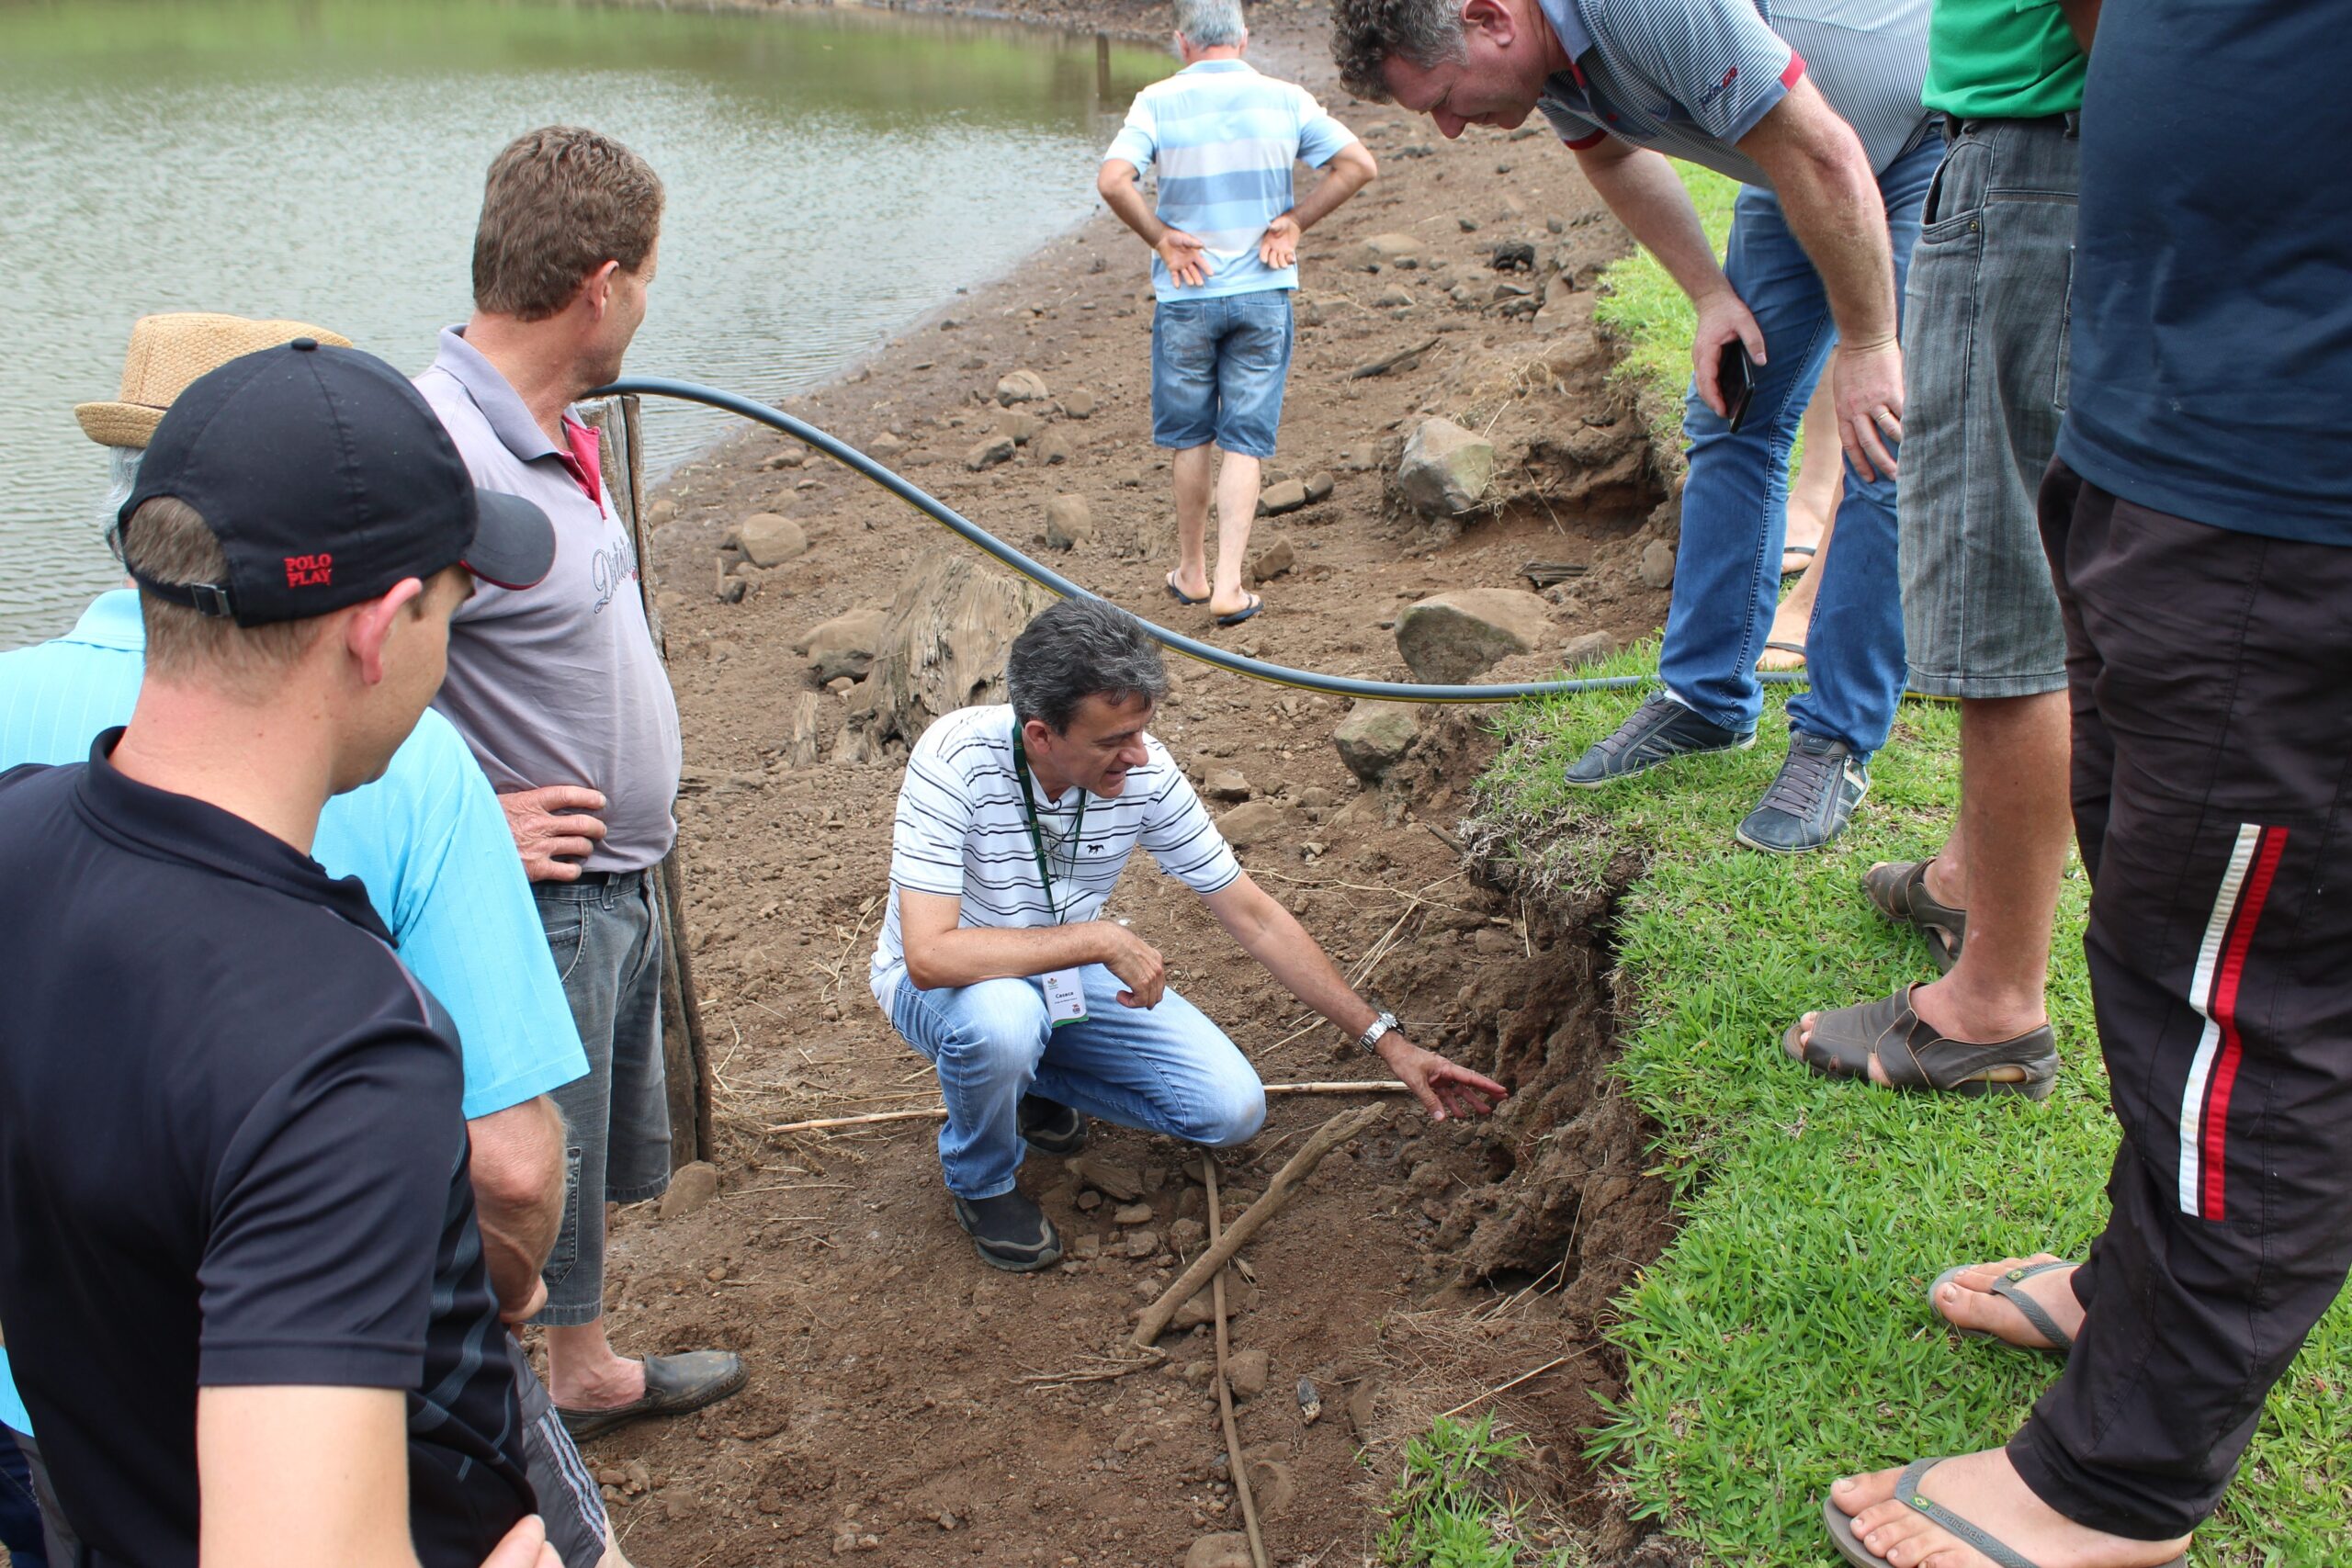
[1192,647]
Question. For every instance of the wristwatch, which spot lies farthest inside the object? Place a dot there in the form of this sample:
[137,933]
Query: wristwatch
[1371,1038]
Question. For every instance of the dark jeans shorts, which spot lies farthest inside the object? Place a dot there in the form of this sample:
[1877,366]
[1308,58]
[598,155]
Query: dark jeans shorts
[1984,329]
[608,947]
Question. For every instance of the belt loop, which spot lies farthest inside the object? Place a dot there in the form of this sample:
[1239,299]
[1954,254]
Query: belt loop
[2074,119]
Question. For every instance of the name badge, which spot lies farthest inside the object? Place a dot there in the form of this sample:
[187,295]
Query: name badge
[1065,997]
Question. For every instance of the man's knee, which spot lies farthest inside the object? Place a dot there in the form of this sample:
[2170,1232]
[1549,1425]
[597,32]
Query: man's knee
[1229,1113]
[999,1026]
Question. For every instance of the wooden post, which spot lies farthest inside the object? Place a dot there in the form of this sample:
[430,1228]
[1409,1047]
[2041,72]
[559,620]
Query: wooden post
[685,1062]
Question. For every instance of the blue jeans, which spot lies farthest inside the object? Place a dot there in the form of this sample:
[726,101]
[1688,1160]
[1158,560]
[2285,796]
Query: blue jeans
[1217,369]
[1734,504]
[1167,1068]
[608,947]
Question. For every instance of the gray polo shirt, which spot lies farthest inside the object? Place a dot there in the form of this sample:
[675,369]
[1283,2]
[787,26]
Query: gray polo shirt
[558,684]
[1688,78]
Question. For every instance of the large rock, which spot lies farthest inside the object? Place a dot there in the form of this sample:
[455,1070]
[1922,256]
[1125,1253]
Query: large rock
[1022,386]
[1386,250]
[690,1189]
[767,539]
[990,452]
[1374,736]
[1277,498]
[1227,1551]
[1079,403]
[1019,423]
[1275,560]
[1658,564]
[1253,822]
[845,644]
[1446,469]
[1245,1374]
[1053,447]
[1454,636]
[1070,522]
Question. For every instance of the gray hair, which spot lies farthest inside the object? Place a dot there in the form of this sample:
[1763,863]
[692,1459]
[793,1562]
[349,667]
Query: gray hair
[1080,649]
[1365,33]
[1210,24]
[122,478]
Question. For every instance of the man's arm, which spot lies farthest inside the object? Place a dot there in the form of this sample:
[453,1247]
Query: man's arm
[943,955]
[1268,933]
[518,1168]
[1642,189]
[553,821]
[1823,177]
[303,1474]
[1351,169]
[1183,252]
[2082,20]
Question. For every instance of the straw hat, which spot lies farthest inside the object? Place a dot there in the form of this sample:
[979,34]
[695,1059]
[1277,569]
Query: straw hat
[167,352]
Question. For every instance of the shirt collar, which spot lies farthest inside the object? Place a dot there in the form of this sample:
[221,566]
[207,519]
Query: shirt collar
[181,828]
[1576,39]
[510,417]
[112,621]
[1214,66]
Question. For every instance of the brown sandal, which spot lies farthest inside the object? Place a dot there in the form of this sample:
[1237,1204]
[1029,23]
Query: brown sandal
[1916,1056]
[1898,889]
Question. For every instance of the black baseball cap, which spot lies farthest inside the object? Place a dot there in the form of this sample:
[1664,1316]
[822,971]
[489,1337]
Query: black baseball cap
[327,480]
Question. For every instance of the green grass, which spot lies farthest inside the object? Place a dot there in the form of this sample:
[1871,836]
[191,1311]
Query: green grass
[1449,1508]
[1644,309]
[1784,1338]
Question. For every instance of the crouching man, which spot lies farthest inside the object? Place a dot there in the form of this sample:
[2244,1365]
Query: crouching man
[1013,824]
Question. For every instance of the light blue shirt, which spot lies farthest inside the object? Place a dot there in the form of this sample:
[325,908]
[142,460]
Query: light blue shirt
[1224,139]
[427,838]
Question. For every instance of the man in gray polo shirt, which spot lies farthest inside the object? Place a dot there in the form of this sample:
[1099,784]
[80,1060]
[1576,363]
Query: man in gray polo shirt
[562,696]
[1816,112]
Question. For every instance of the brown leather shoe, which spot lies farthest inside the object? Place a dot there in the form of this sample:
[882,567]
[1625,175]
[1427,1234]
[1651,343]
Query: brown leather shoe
[1915,1057]
[673,1385]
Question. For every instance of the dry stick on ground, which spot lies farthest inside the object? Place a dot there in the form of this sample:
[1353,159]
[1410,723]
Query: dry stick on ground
[1500,1388]
[1339,1130]
[1224,1389]
[935,1113]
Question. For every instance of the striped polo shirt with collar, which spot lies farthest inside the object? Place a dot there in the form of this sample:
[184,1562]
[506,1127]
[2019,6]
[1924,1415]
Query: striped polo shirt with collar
[960,832]
[1689,78]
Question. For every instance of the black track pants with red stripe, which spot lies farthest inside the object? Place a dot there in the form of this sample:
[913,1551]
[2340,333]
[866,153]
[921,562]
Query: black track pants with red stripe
[2211,673]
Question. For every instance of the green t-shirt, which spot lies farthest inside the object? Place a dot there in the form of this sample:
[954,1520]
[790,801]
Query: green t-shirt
[2002,59]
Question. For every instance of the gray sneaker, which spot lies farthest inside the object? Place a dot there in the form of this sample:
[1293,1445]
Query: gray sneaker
[1811,801]
[1660,730]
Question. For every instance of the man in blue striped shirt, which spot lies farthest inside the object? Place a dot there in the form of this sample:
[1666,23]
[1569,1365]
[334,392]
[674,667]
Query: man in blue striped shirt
[1226,236]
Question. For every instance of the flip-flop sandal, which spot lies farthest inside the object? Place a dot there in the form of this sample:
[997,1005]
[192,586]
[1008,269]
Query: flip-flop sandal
[1808,551]
[1177,593]
[1916,1056]
[2010,1288]
[1899,891]
[1841,1526]
[1795,648]
[1243,614]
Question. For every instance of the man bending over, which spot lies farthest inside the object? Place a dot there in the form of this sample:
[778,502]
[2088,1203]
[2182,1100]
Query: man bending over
[1013,825]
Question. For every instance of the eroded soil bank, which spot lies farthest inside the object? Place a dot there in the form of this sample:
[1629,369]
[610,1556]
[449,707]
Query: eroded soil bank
[891,1411]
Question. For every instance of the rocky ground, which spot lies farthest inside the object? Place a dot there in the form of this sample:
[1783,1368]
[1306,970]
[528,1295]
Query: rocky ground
[1448,424]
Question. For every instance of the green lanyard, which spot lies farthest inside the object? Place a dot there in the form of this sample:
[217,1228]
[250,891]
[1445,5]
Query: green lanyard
[1036,835]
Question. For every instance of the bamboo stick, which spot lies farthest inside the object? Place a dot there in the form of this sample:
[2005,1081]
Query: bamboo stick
[1224,1389]
[936,1113]
[1339,1130]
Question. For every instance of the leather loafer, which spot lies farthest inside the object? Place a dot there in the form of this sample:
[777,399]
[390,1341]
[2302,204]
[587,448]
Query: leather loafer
[673,1385]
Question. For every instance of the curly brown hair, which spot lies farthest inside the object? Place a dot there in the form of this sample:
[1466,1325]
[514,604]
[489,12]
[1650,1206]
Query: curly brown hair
[1365,33]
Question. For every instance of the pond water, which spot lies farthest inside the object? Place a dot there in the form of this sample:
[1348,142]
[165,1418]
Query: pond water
[832,174]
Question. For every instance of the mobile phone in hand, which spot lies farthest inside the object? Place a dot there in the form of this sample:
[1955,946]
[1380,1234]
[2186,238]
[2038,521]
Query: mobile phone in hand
[1735,377]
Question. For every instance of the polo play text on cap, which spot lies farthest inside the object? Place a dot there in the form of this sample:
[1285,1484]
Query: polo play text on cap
[327,480]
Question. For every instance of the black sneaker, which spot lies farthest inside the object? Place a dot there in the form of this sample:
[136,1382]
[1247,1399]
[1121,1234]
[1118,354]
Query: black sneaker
[1010,1232]
[1660,730]
[1811,801]
[1051,1128]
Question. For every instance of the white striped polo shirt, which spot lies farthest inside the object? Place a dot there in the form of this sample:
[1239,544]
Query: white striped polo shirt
[1224,139]
[1688,78]
[961,832]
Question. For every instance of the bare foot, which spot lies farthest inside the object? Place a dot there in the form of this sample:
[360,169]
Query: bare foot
[1986,1490]
[1193,585]
[1967,1300]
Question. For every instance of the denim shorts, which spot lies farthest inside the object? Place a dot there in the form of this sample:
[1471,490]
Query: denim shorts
[608,947]
[1218,368]
[1984,388]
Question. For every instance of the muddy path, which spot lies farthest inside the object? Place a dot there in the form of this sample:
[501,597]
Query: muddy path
[894,1409]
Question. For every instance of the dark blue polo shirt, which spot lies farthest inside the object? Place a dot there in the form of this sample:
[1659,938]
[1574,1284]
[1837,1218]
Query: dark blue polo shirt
[2212,355]
[231,1153]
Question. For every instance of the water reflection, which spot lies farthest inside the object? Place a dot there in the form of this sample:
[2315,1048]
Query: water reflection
[831,174]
